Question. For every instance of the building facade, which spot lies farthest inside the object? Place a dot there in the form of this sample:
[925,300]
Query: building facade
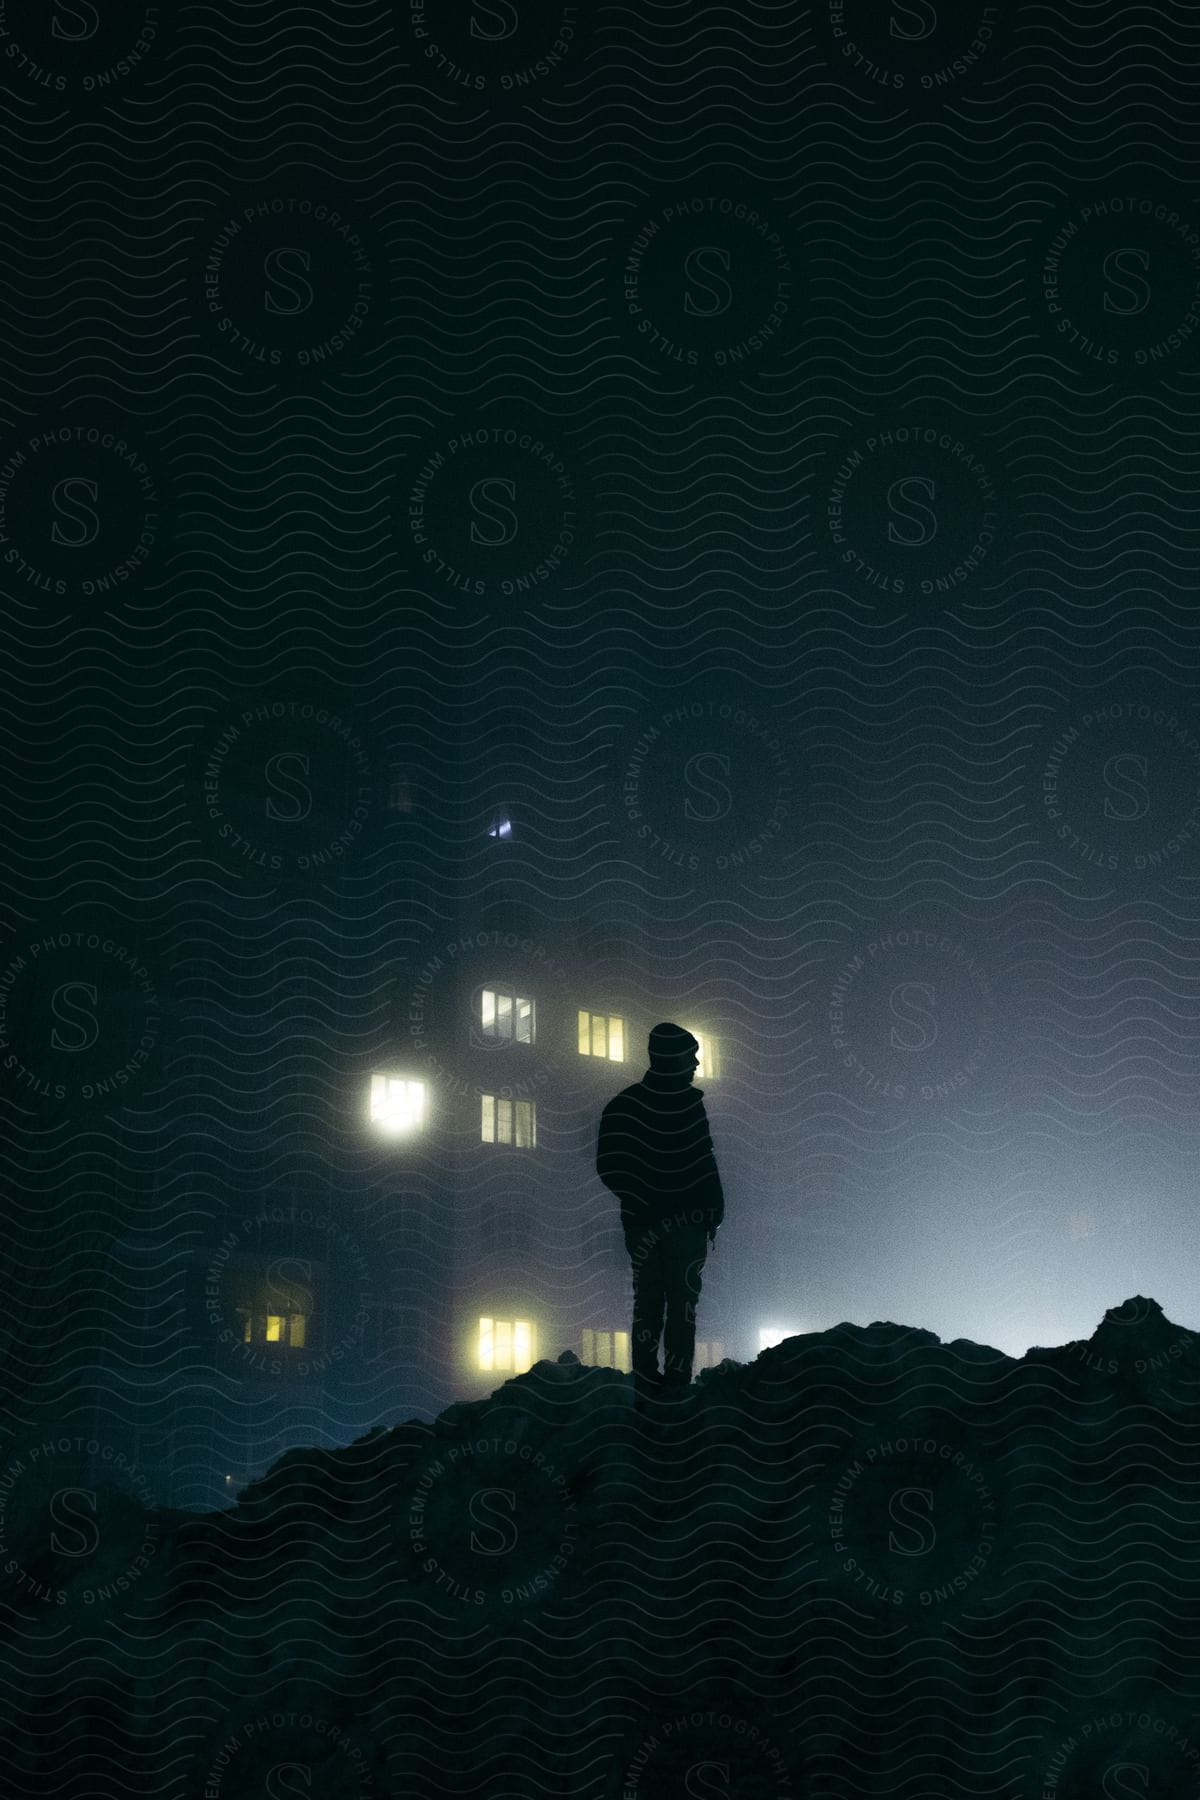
[421,1221]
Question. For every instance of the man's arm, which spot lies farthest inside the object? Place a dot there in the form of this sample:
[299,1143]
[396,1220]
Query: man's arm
[710,1180]
[612,1156]
[616,1148]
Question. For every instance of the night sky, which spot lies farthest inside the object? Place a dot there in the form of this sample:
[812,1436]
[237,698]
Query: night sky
[747,448]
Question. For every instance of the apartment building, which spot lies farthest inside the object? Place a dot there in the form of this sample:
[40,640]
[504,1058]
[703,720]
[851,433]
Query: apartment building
[427,1222]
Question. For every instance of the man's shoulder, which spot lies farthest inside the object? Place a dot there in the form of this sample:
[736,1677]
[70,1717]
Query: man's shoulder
[634,1091]
[640,1093]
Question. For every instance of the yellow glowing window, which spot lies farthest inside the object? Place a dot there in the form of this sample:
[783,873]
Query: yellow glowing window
[505,1016]
[274,1328]
[508,1121]
[606,1350]
[507,1344]
[601,1035]
[397,1105]
[708,1353]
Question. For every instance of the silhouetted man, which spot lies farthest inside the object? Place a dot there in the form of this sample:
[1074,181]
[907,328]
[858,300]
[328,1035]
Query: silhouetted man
[656,1155]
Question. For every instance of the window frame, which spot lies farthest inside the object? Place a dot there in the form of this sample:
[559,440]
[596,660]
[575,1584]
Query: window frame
[506,1115]
[607,1021]
[377,1114]
[502,1339]
[256,1328]
[605,1349]
[502,990]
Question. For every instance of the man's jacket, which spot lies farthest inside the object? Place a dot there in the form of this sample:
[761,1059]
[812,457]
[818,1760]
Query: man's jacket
[655,1153]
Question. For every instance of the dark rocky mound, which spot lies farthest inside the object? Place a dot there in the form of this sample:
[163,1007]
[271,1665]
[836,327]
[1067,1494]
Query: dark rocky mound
[869,1563]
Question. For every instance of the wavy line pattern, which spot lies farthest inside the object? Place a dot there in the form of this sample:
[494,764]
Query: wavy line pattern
[641,512]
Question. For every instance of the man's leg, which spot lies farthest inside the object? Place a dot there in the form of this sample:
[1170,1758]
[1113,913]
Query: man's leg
[649,1293]
[685,1249]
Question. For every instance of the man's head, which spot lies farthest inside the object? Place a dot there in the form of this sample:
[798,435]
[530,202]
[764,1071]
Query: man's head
[673,1051]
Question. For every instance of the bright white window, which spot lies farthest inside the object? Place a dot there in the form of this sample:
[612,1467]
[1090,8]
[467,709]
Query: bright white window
[508,1121]
[770,1335]
[397,1105]
[601,1035]
[505,1016]
[500,825]
[507,1344]
[708,1055]
[606,1350]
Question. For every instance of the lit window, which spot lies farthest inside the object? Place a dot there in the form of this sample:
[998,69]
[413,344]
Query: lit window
[274,1328]
[606,1350]
[397,1105]
[601,1035]
[505,1016]
[708,1054]
[708,1353]
[499,825]
[507,1344]
[770,1335]
[508,1122]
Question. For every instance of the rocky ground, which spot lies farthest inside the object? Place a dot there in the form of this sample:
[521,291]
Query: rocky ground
[869,1563]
